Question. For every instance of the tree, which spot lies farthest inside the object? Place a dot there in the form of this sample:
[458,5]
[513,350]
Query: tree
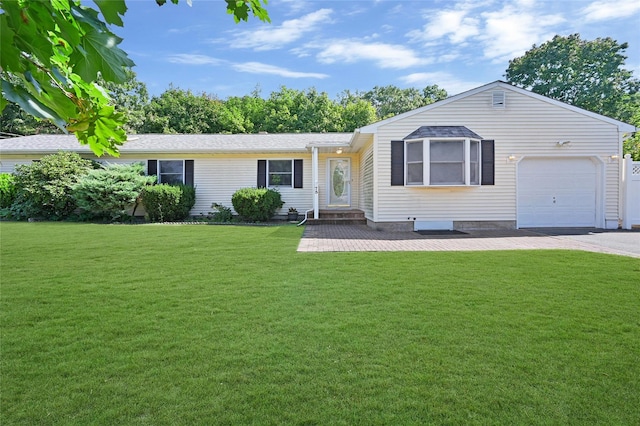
[243,114]
[180,111]
[129,98]
[16,121]
[632,143]
[356,112]
[108,193]
[587,74]
[391,100]
[57,49]
[44,188]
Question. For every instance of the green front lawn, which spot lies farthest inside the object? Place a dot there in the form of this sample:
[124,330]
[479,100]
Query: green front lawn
[159,324]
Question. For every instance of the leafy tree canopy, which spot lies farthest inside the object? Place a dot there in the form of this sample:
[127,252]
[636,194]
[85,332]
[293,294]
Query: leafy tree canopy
[52,53]
[587,74]
[390,100]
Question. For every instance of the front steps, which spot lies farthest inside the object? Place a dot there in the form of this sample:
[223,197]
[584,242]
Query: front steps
[338,217]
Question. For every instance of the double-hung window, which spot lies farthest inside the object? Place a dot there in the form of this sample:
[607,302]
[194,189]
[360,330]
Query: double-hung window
[280,172]
[172,172]
[442,162]
[415,163]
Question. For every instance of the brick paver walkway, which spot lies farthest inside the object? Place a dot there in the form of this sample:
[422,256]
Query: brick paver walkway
[332,238]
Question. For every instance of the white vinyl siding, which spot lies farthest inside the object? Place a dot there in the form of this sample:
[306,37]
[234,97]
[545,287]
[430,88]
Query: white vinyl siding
[525,127]
[217,177]
[367,183]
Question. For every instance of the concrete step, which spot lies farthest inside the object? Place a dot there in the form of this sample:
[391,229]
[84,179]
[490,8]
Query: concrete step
[339,217]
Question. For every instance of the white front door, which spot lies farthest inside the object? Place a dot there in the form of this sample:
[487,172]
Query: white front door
[339,182]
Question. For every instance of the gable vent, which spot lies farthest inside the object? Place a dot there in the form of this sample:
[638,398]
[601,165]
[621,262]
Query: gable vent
[498,99]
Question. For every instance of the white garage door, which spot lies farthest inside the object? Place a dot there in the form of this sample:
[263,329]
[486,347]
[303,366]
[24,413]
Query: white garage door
[557,192]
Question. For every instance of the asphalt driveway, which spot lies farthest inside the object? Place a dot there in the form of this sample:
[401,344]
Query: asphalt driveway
[332,238]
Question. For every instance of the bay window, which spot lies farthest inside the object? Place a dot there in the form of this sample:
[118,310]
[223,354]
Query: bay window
[442,162]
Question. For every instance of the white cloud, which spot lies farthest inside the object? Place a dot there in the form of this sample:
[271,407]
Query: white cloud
[260,68]
[454,24]
[510,32]
[610,9]
[384,55]
[248,67]
[275,37]
[448,82]
[501,30]
[190,59]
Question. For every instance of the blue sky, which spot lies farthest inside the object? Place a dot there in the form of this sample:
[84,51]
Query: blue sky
[356,45]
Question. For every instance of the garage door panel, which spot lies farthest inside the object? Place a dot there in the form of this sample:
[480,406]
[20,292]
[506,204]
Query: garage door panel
[557,192]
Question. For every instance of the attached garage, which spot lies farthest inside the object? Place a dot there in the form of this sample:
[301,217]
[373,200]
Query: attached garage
[559,192]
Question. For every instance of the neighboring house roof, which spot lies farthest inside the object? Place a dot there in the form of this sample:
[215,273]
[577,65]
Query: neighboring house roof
[622,127]
[160,143]
[443,132]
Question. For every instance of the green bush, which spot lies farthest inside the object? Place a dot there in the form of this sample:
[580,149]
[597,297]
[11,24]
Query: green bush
[7,190]
[221,213]
[256,204]
[108,193]
[168,203]
[45,188]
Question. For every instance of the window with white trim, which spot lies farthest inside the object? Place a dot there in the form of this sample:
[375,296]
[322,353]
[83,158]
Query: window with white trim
[280,172]
[442,162]
[171,171]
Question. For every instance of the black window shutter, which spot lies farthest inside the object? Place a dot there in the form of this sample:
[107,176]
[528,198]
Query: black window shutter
[397,163]
[488,162]
[297,173]
[262,173]
[188,172]
[152,167]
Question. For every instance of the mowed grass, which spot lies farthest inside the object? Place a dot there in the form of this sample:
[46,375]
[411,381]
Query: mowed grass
[158,324]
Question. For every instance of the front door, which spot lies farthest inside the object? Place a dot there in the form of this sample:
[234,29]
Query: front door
[339,182]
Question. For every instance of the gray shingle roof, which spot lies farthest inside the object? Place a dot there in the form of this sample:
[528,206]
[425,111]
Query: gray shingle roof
[152,143]
[443,132]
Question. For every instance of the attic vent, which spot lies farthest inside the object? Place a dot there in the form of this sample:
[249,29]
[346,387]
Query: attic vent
[497,99]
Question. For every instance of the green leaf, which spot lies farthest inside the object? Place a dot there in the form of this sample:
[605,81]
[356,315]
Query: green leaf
[3,102]
[30,104]
[99,53]
[111,10]
[10,54]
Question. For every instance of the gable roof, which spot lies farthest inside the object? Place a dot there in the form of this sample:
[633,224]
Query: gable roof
[160,143]
[442,132]
[623,127]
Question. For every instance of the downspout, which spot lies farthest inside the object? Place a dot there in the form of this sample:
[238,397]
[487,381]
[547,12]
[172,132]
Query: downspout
[314,176]
[306,216]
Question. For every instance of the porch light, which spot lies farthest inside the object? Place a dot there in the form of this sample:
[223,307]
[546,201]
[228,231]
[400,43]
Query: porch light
[512,158]
[563,143]
[339,151]
[614,157]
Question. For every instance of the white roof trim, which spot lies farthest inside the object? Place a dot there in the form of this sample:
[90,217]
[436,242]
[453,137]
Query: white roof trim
[623,127]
